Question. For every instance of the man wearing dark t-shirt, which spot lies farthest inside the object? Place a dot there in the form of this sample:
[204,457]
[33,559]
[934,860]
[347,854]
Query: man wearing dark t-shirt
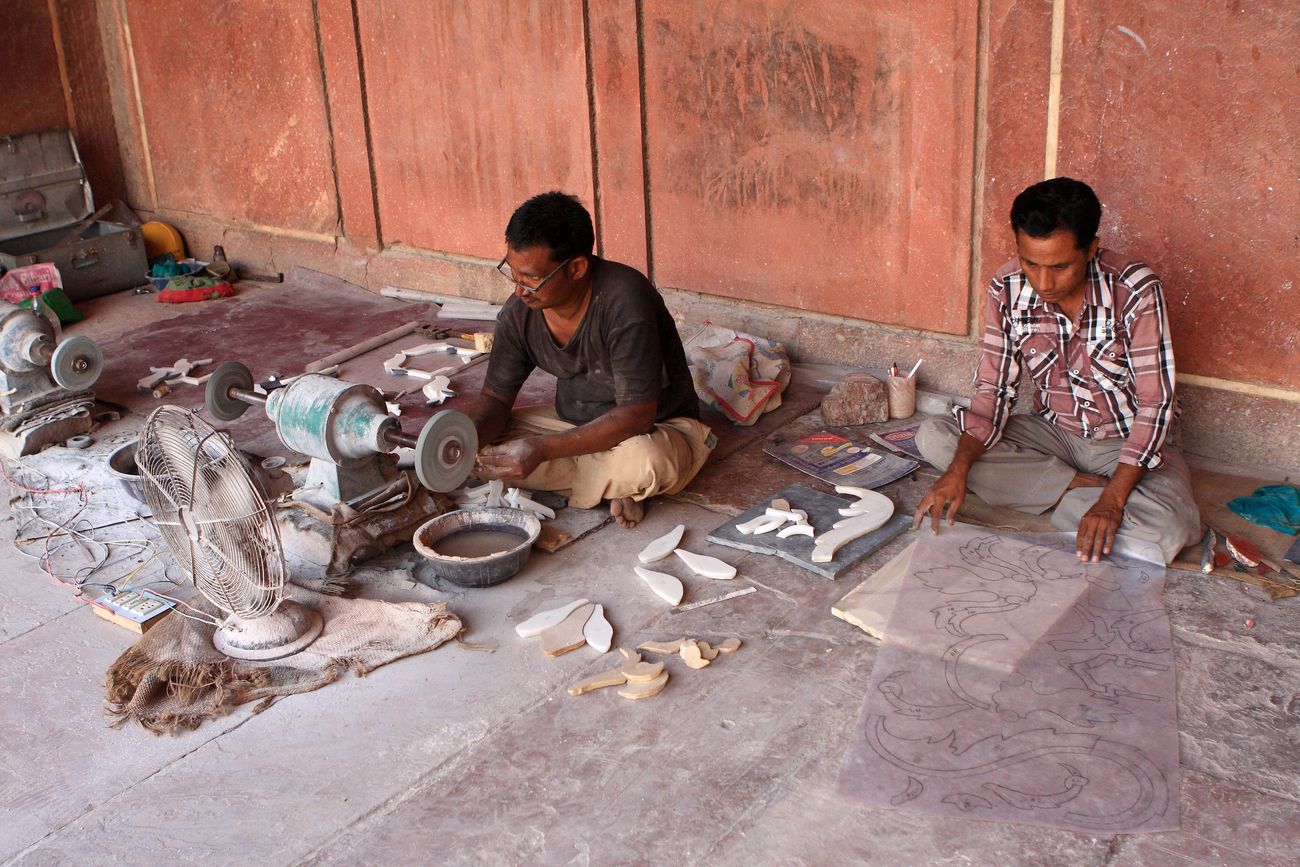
[625,425]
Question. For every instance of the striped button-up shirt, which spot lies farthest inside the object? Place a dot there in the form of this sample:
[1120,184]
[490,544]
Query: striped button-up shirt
[1108,373]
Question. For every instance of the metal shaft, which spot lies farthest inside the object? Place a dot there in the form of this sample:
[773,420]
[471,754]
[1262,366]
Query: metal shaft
[399,437]
[247,395]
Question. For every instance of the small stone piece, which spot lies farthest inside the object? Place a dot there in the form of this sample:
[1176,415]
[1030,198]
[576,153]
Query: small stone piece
[709,653]
[858,398]
[663,546]
[709,567]
[731,645]
[630,655]
[692,656]
[782,504]
[662,646]
[797,530]
[598,681]
[644,688]
[544,620]
[635,671]
[598,631]
[568,634]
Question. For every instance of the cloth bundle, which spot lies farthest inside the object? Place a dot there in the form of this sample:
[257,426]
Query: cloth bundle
[738,374]
[174,679]
[1275,506]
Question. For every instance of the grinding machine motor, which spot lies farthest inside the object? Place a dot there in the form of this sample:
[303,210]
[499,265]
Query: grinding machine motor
[355,502]
[45,383]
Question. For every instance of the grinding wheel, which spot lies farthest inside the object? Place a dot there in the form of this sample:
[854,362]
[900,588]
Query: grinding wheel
[445,451]
[217,399]
[76,363]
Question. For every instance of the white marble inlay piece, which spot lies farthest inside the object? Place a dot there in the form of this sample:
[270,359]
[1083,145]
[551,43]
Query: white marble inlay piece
[544,620]
[709,567]
[598,631]
[665,586]
[663,546]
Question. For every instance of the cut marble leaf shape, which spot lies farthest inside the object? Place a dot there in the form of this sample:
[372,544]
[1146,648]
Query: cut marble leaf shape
[709,567]
[544,620]
[665,586]
[847,530]
[768,525]
[749,527]
[796,530]
[598,631]
[663,546]
[869,501]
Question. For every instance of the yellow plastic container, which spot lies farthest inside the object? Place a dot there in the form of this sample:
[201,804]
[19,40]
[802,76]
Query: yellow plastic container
[161,239]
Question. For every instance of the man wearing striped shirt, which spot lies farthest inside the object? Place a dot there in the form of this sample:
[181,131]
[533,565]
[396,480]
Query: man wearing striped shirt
[1089,327]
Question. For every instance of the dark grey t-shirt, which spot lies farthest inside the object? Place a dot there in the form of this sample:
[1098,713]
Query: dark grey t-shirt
[626,351]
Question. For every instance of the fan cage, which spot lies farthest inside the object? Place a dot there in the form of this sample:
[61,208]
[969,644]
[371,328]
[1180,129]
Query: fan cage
[211,512]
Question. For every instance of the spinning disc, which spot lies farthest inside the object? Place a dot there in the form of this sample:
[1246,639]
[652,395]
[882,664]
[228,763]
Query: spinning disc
[76,363]
[217,399]
[444,453]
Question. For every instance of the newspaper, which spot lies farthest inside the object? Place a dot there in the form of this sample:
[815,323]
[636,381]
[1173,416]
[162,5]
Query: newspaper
[838,461]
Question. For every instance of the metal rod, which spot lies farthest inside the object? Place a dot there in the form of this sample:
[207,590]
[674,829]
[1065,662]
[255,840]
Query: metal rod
[399,437]
[247,395]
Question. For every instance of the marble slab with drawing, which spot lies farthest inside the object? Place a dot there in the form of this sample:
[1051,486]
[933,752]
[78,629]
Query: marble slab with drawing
[1017,684]
[823,511]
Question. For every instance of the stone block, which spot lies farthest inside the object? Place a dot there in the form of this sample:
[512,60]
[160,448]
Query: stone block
[858,398]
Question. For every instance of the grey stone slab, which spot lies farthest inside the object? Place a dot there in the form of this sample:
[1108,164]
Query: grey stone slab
[1239,718]
[823,512]
[60,758]
[1222,824]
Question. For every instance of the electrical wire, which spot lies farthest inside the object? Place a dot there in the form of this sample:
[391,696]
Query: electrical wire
[76,532]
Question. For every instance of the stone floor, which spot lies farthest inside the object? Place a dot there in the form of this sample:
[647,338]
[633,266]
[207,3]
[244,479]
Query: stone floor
[474,753]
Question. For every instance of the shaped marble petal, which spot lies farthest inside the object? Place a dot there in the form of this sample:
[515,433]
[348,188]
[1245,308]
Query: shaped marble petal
[544,620]
[665,586]
[663,546]
[709,567]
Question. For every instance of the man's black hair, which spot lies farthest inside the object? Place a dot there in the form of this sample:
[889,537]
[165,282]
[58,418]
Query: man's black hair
[1060,203]
[555,220]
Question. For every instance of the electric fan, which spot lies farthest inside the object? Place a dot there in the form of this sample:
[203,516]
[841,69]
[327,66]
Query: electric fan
[216,523]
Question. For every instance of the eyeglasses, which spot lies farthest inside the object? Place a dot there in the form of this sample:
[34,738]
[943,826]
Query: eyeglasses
[504,270]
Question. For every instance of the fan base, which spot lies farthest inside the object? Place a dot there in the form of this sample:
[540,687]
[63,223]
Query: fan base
[285,631]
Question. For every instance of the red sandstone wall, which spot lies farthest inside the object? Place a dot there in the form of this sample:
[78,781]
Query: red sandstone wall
[848,159]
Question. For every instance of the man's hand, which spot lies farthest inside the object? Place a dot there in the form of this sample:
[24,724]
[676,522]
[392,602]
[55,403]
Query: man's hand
[1097,529]
[513,460]
[948,490]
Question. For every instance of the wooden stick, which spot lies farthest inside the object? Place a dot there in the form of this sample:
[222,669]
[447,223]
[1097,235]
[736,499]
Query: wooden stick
[363,347]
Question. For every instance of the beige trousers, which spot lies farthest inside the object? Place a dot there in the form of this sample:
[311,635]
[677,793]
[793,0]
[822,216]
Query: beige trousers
[661,462]
[1029,468]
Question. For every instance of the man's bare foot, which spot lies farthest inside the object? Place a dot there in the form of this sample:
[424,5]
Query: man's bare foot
[1086,480]
[627,511]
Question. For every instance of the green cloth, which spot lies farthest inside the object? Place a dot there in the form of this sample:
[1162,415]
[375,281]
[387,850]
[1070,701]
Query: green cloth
[1274,506]
[183,283]
[58,301]
[167,266]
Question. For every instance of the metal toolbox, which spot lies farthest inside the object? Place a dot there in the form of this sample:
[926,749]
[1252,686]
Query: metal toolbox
[44,198]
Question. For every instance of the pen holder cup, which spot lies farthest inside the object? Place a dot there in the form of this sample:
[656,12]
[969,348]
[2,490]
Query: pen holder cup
[902,396]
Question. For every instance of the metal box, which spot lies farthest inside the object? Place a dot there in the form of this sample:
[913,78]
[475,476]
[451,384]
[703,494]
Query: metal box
[44,196]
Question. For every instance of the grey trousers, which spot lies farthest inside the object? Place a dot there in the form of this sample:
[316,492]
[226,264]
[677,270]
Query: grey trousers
[1029,468]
